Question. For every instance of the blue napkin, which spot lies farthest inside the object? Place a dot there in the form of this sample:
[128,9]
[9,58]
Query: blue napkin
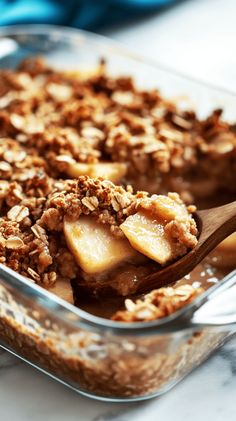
[86,14]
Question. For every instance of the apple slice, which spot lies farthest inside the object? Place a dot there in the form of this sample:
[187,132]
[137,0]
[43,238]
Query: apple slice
[224,255]
[164,208]
[63,290]
[94,247]
[148,237]
[229,244]
[113,171]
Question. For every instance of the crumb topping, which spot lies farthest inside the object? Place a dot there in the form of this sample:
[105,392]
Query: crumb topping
[157,304]
[70,117]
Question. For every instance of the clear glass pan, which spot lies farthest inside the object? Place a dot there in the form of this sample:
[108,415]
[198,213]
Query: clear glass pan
[97,357]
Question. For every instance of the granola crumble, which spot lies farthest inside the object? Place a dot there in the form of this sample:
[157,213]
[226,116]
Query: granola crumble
[157,304]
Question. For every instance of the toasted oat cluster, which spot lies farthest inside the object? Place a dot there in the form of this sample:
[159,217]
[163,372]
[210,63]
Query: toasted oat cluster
[65,138]
[157,304]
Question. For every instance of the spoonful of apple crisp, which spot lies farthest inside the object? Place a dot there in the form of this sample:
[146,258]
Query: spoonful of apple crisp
[126,243]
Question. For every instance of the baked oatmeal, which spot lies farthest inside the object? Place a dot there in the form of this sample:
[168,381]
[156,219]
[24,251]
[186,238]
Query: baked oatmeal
[76,151]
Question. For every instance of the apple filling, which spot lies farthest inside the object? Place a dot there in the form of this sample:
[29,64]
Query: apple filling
[106,261]
[63,290]
[114,172]
[96,250]
[224,255]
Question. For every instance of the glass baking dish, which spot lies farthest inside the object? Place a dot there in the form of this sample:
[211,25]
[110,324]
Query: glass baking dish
[101,358]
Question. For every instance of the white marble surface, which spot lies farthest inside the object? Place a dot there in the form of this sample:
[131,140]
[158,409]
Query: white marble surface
[197,37]
[26,394]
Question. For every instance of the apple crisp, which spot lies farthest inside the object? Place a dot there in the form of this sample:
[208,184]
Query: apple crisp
[86,163]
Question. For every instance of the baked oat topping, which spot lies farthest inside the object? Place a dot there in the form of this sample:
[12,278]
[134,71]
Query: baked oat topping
[157,304]
[71,118]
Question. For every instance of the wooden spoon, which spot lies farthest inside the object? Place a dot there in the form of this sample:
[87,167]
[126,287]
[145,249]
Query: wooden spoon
[214,226]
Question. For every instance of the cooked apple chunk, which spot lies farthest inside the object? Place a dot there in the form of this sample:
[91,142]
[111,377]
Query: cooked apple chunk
[229,244]
[224,255]
[148,237]
[109,171]
[162,229]
[93,245]
[165,208]
[63,290]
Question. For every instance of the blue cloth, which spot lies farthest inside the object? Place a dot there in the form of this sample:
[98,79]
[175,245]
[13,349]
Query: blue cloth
[86,14]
